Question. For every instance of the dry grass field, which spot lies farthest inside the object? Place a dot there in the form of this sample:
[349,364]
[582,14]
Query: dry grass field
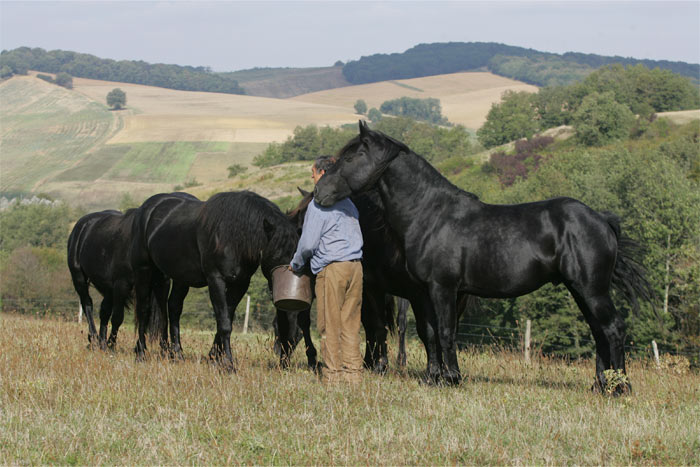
[466,97]
[158,114]
[63,404]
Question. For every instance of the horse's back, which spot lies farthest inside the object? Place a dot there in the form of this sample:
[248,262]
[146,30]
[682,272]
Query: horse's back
[165,235]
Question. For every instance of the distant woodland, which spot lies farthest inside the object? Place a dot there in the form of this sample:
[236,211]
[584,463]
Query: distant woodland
[185,78]
[527,65]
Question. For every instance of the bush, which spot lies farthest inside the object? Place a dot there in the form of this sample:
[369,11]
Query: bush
[236,169]
[64,79]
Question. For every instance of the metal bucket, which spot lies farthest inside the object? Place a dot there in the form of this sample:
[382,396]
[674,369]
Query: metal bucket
[290,291]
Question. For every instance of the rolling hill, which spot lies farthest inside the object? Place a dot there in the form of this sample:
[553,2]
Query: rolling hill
[68,144]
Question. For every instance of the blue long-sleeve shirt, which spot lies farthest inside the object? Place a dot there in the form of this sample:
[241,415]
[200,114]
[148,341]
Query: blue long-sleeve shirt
[329,235]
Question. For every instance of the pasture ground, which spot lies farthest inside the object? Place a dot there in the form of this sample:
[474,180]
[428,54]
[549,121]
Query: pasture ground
[61,403]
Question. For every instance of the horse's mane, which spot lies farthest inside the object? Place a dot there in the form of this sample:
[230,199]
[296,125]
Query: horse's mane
[238,218]
[426,167]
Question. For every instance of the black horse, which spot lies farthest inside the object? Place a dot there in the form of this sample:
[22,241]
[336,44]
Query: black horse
[455,243]
[385,274]
[98,253]
[219,243]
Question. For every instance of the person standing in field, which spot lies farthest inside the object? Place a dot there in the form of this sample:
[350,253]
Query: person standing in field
[331,241]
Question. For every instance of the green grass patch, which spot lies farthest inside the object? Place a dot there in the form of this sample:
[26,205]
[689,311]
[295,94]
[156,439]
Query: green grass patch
[167,162]
[96,164]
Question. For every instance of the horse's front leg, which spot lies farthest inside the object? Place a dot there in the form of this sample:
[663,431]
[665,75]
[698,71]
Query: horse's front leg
[304,322]
[402,306]
[374,321]
[285,342]
[224,299]
[425,326]
[444,305]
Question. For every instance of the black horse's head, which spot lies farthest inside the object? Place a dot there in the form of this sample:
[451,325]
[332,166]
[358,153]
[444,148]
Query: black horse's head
[296,215]
[360,164]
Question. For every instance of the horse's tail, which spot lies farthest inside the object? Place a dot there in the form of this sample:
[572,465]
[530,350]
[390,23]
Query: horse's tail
[629,276]
[156,320]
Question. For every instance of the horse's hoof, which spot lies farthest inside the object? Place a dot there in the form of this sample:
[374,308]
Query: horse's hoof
[380,368]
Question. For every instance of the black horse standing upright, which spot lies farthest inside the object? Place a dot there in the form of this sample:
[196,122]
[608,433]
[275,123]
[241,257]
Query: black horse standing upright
[454,243]
[98,254]
[385,274]
[219,243]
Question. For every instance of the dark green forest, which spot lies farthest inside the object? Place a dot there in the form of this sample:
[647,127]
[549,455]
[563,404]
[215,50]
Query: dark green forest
[527,65]
[186,78]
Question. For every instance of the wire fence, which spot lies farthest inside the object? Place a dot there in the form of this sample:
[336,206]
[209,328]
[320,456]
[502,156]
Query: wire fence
[468,334]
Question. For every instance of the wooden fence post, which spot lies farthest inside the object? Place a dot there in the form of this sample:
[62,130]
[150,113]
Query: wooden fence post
[656,354]
[247,311]
[527,341]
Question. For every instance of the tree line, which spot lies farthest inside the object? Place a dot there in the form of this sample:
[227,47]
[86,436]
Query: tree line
[528,65]
[607,105]
[432,142]
[186,78]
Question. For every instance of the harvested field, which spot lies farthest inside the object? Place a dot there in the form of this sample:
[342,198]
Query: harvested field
[466,97]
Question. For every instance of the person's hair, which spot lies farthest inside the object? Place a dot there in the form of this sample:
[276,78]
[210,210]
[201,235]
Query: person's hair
[324,162]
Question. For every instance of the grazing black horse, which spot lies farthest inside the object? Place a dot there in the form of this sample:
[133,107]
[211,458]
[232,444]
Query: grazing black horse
[98,253]
[385,274]
[219,243]
[454,243]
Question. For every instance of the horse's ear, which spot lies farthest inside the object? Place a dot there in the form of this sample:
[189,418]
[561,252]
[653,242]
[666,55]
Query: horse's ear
[269,229]
[303,192]
[363,129]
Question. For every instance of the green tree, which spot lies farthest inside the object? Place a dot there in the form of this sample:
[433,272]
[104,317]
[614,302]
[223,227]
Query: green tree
[116,99]
[601,119]
[513,118]
[374,115]
[360,106]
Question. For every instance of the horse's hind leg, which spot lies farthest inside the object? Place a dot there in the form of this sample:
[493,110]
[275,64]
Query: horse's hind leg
[82,287]
[608,330]
[175,301]
[118,304]
[105,315]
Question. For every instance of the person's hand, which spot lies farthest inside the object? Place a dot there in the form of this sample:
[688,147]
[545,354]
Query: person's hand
[290,268]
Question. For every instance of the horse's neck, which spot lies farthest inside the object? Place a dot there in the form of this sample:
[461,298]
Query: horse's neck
[410,187]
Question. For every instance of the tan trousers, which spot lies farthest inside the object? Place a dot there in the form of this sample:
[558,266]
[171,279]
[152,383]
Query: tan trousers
[339,303]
